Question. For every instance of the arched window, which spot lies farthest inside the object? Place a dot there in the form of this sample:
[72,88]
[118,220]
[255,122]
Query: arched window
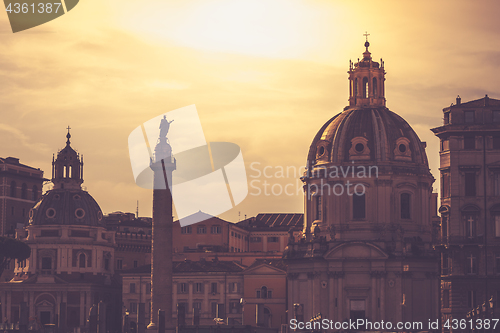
[405,205]
[70,172]
[81,259]
[263,292]
[35,193]
[365,87]
[374,87]
[358,206]
[13,189]
[24,191]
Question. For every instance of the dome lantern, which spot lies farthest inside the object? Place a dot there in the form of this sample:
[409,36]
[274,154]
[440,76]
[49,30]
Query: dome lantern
[67,168]
[366,81]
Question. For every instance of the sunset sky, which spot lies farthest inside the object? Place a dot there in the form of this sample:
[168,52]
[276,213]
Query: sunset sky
[264,74]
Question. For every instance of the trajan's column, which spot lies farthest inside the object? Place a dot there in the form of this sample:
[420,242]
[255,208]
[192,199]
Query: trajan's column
[163,164]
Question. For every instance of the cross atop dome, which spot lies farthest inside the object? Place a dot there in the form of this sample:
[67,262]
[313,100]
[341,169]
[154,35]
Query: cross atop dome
[68,136]
[366,34]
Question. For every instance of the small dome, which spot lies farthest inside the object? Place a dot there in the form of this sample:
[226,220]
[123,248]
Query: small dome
[67,207]
[373,134]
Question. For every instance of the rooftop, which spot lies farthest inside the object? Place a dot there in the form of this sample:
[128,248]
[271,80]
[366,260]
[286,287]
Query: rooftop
[188,266]
[273,221]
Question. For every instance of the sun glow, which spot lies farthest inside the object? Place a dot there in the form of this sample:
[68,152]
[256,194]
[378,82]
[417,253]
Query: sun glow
[267,28]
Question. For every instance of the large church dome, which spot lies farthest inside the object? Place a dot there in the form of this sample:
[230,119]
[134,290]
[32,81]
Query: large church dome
[374,134]
[67,203]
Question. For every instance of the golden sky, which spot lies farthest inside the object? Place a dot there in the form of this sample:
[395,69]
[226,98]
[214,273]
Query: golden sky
[264,74]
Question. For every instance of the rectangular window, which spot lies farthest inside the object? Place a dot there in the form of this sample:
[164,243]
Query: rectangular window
[469,142]
[470,184]
[106,264]
[447,118]
[471,299]
[186,230]
[318,207]
[444,227]
[255,239]
[496,183]
[135,263]
[445,145]
[182,288]
[119,263]
[273,239]
[444,264]
[183,304]
[132,288]
[496,116]
[257,294]
[46,263]
[469,117]
[198,288]
[497,225]
[233,287]
[496,142]
[269,294]
[201,229]
[471,264]
[470,226]
[197,305]
[213,308]
[358,206]
[445,184]
[213,288]
[216,229]
[405,205]
[446,298]
[133,307]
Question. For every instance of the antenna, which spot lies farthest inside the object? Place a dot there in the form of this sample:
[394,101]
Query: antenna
[137,210]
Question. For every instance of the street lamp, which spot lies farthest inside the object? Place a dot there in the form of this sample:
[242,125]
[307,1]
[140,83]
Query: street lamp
[242,302]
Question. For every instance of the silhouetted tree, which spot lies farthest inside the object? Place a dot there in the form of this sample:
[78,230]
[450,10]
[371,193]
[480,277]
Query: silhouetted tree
[11,248]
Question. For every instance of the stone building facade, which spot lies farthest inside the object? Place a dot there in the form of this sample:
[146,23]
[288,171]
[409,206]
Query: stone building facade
[367,250]
[71,264]
[215,289]
[470,206]
[20,188]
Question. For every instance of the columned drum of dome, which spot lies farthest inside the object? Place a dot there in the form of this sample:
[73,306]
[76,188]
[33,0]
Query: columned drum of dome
[368,223]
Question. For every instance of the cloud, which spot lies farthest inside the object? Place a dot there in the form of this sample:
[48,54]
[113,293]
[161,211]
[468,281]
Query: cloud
[14,135]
